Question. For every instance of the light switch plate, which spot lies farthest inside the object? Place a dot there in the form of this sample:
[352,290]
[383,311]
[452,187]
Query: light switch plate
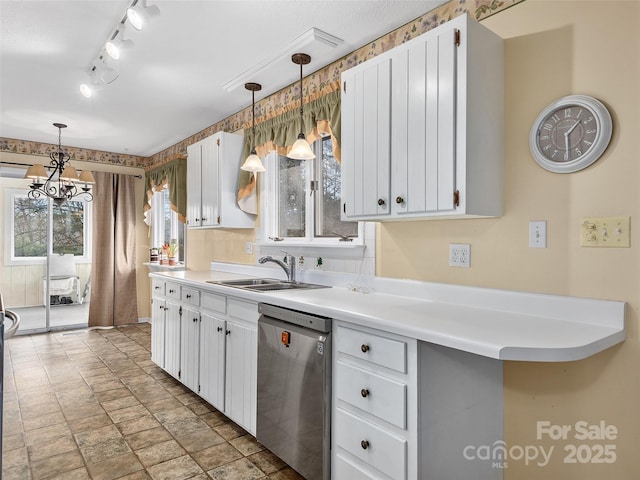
[538,234]
[248,248]
[611,232]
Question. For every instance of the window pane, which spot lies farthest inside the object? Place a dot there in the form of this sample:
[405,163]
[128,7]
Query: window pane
[328,222]
[68,228]
[29,227]
[291,208]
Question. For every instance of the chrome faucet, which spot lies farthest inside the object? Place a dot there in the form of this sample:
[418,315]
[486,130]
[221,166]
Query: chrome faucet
[290,270]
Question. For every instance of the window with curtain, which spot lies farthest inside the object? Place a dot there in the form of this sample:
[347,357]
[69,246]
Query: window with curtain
[165,204]
[165,224]
[301,199]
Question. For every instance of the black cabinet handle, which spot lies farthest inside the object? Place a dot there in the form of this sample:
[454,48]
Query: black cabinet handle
[380,201]
[227,332]
[188,296]
[364,392]
[399,200]
[219,329]
[364,348]
[364,444]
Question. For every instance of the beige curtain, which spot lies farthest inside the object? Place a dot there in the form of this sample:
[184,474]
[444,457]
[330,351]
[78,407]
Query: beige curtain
[321,116]
[174,173]
[113,268]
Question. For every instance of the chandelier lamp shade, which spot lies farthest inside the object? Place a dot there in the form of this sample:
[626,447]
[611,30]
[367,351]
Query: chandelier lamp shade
[62,183]
[253,162]
[301,149]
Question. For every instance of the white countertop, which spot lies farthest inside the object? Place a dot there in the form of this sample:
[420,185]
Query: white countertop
[500,324]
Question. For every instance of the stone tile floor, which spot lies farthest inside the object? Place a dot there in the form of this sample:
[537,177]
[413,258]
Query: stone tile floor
[91,405]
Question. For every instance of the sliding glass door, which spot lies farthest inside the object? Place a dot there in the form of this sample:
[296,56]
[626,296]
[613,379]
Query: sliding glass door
[46,269]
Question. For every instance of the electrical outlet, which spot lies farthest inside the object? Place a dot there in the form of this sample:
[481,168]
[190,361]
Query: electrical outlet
[248,248]
[460,255]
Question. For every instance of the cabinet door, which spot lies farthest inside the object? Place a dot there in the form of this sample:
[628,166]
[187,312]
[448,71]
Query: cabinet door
[194,186]
[240,384]
[190,348]
[157,331]
[366,139]
[210,181]
[212,360]
[172,339]
[424,125]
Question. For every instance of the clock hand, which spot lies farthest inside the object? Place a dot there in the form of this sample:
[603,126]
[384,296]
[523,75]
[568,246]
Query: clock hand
[567,144]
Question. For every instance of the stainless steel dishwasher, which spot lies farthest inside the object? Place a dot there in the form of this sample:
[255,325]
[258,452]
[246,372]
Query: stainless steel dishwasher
[294,389]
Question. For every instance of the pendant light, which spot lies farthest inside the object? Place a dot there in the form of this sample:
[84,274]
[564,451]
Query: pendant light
[253,162]
[301,149]
[60,184]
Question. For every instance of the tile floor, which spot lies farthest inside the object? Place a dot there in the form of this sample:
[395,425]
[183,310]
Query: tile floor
[91,405]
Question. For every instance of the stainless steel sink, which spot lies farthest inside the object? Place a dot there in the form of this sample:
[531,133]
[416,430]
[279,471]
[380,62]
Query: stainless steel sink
[245,282]
[266,284]
[284,286]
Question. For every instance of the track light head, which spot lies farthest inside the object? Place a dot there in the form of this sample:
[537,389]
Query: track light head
[140,14]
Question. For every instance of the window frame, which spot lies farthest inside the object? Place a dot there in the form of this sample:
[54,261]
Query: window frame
[158,200]
[269,203]
[11,260]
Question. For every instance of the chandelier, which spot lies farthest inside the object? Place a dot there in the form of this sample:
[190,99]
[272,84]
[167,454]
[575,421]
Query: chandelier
[60,185]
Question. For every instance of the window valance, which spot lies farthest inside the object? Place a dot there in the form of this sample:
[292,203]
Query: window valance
[174,173]
[321,117]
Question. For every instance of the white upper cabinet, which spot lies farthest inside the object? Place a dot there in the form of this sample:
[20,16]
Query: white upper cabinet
[212,180]
[422,128]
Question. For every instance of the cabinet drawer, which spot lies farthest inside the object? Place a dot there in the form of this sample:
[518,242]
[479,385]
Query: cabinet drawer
[344,469]
[371,444]
[157,287]
[172,290]
[213,301]
[191,296]
[379,396]
[372,348]
[247,311]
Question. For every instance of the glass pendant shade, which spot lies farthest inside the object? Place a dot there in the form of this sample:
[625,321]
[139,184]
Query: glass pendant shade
[253,163]
[301,149]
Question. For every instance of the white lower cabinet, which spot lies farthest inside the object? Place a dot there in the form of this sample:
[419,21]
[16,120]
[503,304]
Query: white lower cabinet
[212,359]
[242,364]
[374,410]
[406,410]
[209,343]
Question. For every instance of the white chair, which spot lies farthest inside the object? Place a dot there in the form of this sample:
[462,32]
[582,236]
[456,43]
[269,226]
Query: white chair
[63,280]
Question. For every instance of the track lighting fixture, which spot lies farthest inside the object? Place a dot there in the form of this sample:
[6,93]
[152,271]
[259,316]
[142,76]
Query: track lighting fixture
[139,13]
[301,149]
[117,43]
[103,71]
[253,162]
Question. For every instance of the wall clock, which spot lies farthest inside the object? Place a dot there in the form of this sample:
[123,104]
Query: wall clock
[570,134]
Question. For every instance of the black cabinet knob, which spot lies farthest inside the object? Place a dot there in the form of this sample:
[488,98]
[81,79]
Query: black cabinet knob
[364,444]
[399,200]
[364,348]
[364,392]
[380,201]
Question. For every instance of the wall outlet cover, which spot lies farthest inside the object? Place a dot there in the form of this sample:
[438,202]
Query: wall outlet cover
[460,255]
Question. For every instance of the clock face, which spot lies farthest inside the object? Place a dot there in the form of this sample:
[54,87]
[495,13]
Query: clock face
[570,134]
[567,133]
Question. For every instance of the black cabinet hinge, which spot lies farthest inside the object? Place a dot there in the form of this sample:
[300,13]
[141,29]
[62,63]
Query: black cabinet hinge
[218,142]
[180,311]
[344,86]
[456,198]
[456,37]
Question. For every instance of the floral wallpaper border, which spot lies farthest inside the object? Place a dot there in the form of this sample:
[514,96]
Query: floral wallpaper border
[81,154]
[320,83]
